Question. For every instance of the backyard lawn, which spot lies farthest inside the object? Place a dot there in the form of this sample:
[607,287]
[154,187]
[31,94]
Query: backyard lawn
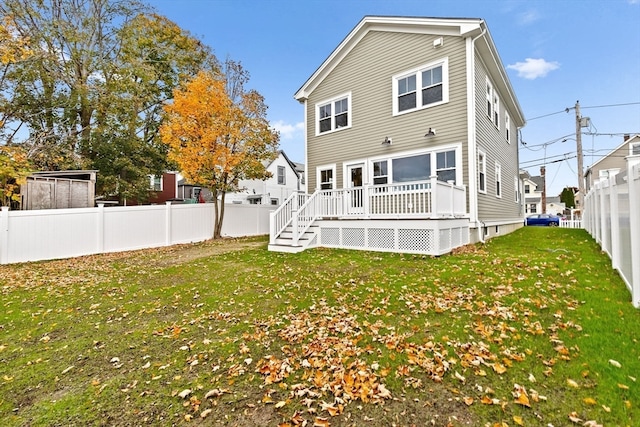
[530,329]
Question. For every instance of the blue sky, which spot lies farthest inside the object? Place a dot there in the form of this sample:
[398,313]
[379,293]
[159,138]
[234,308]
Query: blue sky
[556,52]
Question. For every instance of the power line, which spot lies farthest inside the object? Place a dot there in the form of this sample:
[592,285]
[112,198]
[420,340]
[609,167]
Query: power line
[566,110]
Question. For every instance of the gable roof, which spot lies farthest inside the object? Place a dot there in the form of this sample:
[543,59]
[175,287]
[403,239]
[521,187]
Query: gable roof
[461,27]
[627,141]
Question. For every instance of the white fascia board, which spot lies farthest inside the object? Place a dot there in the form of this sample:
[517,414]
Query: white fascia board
[435,26]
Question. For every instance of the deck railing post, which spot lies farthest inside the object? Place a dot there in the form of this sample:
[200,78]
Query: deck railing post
[434,195]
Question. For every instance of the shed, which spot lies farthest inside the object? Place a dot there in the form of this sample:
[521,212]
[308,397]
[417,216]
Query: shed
[59,190]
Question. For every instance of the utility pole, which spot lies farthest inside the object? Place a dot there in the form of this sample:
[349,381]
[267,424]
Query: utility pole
[543,200]
[579,154]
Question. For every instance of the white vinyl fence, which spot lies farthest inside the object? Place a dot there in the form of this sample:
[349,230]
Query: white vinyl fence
[63,233]
[612,217]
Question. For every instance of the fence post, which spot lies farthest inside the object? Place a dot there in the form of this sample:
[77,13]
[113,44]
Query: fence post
[100,231]
[4,235]
[633,179]
[167,229]
[615,227]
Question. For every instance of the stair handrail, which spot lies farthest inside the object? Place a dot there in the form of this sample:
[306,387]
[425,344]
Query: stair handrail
[282,217]
[308,205]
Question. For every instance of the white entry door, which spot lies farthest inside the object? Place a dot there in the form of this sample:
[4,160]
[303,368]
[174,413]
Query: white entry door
[355,192]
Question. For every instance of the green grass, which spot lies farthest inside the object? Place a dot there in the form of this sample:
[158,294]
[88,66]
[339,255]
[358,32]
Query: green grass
[259,338]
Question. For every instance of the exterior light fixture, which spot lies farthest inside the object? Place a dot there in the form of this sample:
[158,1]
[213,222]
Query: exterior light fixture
[387,141]
[431,132]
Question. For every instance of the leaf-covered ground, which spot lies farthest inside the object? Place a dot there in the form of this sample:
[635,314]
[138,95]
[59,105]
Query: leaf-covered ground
[532,328]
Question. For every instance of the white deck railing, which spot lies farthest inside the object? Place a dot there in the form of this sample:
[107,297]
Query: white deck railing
[424,199]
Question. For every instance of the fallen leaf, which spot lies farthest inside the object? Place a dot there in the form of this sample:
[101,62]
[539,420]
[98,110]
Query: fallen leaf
[518,420]
[615,363]
[573,417]
[606,408]
[184,393]
[205,413]
[321,422]
[280,404]
[68,369]
[622,386]
[468,400]
[589,401]
[572,383]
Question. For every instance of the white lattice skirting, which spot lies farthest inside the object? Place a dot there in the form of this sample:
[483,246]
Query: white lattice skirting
[432,237]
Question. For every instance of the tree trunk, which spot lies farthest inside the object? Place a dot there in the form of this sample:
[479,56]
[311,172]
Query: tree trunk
[219,215]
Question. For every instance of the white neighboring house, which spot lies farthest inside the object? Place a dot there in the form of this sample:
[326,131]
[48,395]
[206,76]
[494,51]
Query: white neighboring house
[532,193]
[286,179]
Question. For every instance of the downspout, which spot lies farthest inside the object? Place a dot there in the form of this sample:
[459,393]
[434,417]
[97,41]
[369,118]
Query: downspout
[471,127]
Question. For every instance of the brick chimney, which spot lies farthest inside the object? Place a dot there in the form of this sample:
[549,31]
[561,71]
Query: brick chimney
[626,137]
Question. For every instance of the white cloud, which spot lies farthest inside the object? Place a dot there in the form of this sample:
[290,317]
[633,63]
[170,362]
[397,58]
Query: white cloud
[634,1]
[528,17]
[531,68]
[289,131]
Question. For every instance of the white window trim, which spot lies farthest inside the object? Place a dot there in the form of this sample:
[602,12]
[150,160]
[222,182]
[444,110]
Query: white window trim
[496,109]
[321,168]
[482,167]
[433,151]
[333,116]
[498,180]
[489,99]
[516,186]
[284,175]
[631,146]
[507,126]
[152,183]
[444,62]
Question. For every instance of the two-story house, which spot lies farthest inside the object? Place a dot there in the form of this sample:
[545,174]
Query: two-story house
[613,162]
[411,141]
[285,180]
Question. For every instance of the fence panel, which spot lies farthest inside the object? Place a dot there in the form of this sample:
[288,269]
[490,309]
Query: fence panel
[63,233]
[612,217]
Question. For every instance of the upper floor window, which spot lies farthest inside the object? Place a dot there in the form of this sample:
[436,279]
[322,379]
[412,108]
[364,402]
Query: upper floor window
[421,87]
[155,182]
[333,114]
[493,104]
[507,126]
[281,176]
[634,149]
[482,172]
[527,189]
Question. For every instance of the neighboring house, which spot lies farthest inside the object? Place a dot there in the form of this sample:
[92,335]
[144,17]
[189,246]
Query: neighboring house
[613,162]
[532,186]
[555,206]
[163,188]
[411,141]
[284,181]
[59,190]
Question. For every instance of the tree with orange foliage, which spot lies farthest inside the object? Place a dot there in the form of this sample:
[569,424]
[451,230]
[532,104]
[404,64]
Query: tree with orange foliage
[218,134]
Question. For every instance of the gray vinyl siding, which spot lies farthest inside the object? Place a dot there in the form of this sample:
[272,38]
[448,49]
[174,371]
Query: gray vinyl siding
[493,142]
[613,160]
[367,72]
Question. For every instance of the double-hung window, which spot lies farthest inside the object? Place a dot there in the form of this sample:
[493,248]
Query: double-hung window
[634,149]
[482,172]
[281,176]
[155,182]
[507,126]
[493,104]
[325,176]
[333,114]
[421,87]
[446,165]
[380,172]
[498,180]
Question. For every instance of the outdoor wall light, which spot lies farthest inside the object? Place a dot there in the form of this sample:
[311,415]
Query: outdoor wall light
[387,141]
[431,132]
